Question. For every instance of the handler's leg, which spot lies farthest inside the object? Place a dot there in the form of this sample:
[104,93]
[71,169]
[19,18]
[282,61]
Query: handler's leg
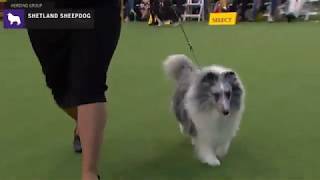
[73,113]
[91,123]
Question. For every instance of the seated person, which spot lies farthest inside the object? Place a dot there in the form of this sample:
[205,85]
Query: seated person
[221,6]
[144,9]
[162,11]
[295,9]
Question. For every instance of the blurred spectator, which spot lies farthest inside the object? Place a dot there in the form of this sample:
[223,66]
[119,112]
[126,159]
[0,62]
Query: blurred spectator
[163,11]
[295,9]
[144,9]
[179,6]
[240,6]
[244,7]
[136,10]
[130,14]
[221,6]
[256,8]
[154,11]
[273,10]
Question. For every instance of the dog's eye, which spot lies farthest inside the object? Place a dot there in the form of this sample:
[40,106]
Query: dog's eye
[216,96]
[228,94]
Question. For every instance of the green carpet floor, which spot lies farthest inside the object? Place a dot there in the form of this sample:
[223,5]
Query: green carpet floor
[279,137]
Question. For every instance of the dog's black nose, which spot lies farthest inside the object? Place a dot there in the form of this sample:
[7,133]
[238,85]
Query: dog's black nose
[225,112]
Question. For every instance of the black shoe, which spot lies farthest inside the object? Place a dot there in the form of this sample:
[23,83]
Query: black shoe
[77,144]
[98,177]
[132,16]
[290,17]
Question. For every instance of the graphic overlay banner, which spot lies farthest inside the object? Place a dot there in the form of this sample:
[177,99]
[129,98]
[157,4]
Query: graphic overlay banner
[229,18]
[35,14]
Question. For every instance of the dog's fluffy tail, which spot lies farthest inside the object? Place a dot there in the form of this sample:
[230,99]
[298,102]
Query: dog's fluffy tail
[178,66]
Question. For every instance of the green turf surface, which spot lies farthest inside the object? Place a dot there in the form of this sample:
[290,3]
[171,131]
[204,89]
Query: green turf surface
[278,140]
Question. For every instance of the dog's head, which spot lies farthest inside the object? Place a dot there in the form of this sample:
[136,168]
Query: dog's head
[219,88]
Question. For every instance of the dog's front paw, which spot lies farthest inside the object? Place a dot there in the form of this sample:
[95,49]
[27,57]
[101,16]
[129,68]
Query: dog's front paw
[193,141]
[222,150]
[181,129]
[212,161]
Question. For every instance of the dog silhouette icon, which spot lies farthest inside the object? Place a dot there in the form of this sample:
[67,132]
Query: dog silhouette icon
[14,19]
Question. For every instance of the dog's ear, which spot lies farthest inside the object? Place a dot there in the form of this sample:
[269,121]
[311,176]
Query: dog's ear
[230,76]
[210,78]
[237,90]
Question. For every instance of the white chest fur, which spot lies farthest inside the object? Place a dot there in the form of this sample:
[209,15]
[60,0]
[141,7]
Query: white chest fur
[215,127]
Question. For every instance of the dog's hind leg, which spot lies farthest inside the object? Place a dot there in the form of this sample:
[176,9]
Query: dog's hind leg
[187,127]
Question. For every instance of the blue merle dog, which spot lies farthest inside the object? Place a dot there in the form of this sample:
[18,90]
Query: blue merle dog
[208,103]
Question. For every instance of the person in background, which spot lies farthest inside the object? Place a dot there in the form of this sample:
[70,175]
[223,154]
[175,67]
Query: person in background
[179,8]
[273,10]
[130,14]
[244,7]
[242,11]
[144,9]
[163,12]
[221,6]
[256,7]
[295,9]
